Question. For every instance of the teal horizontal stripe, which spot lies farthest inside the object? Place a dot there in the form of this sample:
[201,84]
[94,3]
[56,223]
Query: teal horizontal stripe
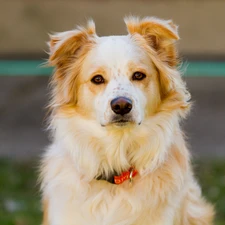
[215,69]
[35,67]
[24,68]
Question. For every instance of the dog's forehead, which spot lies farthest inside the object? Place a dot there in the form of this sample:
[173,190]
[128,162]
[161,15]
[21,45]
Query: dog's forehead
[114,43]
[116,55]
[116,50]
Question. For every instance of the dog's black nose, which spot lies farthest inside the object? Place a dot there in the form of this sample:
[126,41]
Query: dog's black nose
[121,105]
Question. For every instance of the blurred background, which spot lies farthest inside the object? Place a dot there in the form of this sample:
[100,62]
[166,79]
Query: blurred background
[24,26]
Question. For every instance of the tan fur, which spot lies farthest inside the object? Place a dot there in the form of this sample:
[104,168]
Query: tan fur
[159,36]
[165,191]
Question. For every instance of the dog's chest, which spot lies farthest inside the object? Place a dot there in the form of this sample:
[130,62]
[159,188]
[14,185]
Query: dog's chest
[104,206]
[99,207]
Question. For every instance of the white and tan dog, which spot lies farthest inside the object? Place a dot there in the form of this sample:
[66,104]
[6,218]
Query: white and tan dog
[118,155]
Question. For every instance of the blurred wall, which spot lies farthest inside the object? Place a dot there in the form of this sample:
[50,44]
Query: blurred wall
[24,24]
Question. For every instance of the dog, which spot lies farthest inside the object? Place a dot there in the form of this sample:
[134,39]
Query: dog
[118,154]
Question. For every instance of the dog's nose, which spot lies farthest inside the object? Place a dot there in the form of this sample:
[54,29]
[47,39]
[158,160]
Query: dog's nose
[121,105]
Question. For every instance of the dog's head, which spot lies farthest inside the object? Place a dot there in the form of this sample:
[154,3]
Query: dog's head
[117,80]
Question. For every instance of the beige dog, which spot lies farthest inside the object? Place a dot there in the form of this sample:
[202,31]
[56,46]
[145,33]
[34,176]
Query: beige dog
[118,155]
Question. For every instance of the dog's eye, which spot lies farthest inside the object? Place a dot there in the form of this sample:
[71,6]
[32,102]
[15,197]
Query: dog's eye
[98,79]
[138,76]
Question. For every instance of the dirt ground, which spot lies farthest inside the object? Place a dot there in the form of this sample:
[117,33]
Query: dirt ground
[22,117]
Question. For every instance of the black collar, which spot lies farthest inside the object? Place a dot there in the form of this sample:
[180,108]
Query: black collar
[109,178]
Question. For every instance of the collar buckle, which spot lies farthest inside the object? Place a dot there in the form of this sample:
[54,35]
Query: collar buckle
[131,174]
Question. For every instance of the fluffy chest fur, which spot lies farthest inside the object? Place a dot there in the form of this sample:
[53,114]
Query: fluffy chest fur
[151,198]
[72,163]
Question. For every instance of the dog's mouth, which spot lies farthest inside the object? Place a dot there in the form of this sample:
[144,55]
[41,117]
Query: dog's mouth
[119,123]
[122,120]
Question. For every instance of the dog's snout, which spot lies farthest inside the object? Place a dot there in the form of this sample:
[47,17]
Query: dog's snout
[121,105]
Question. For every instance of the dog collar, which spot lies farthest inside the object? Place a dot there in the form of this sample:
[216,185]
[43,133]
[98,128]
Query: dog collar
[119,179]
[125,176]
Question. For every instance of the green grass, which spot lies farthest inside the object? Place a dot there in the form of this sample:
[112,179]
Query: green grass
[19,195]
[211,176]
[20,198]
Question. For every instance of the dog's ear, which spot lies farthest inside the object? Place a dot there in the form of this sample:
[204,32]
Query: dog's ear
[159,34]
[66,48]
[66,44]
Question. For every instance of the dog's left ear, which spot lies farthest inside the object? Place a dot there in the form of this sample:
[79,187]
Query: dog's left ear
[159,34]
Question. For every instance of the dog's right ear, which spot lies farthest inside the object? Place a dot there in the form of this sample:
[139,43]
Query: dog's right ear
[65,45]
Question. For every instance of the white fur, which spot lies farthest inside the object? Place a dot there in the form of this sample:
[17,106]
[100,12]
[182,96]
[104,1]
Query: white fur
[76,198]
